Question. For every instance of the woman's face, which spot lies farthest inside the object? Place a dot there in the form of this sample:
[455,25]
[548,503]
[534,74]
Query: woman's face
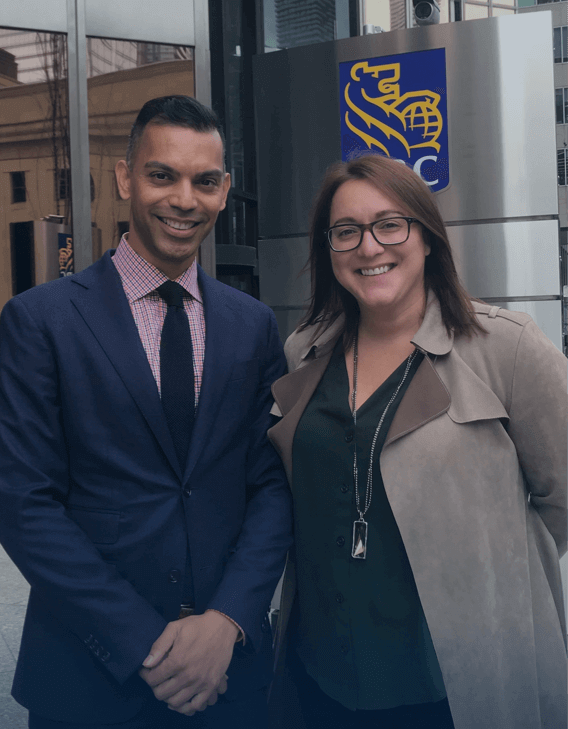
[385,280]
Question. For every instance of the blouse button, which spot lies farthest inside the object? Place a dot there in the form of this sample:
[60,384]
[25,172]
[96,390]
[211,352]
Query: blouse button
[340,541]
[344,488]
[339,598]
[349,437]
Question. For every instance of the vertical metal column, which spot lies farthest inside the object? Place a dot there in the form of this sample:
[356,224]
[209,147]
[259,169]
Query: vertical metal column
[202,75]
[79,135]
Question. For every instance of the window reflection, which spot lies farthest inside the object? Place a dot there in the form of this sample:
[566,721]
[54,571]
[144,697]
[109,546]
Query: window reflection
[123,75]
[290,23]
[34,157]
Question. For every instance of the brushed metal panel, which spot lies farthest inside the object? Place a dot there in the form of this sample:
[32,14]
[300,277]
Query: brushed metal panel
[50,16]
[142,20]
[280,264]
[287,321]
[500,116]
[547,315]
[508,259]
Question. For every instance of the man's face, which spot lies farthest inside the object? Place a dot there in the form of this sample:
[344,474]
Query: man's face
[176,189]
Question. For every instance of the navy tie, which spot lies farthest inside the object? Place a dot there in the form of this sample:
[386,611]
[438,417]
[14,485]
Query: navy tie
[176,370]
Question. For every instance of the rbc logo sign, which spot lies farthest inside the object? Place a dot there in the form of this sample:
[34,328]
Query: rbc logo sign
[396,106]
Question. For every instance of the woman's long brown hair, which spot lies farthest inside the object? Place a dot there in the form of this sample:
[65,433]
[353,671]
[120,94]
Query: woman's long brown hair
[399,183]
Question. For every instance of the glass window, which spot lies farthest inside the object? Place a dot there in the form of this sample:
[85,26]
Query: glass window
[561,44]
[63,184]
[525,3]
[474,12]
[562,167]
[35,128]
[560,106]
[496,12]
[557,43]
[377,12]
[18,180]
[122,76]
[290,23]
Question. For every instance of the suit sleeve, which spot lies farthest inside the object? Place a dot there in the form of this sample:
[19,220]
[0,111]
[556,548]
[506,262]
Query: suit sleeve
[55,556]
[538,425]
[253,571]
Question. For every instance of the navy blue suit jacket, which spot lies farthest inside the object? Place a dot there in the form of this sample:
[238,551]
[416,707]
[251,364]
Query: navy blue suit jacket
[95,510]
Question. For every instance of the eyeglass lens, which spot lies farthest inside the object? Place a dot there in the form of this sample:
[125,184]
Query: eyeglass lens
[389,231]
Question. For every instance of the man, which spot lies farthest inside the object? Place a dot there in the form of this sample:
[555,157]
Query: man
[139,495]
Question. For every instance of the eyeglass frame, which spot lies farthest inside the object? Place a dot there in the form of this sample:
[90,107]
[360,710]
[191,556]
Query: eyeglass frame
[363,227]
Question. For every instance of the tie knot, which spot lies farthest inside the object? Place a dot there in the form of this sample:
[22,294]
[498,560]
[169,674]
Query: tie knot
[172,293]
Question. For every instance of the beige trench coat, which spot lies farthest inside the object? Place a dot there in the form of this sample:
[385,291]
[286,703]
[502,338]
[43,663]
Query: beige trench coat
[474,466]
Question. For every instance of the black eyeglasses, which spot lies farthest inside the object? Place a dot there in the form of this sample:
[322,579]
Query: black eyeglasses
[387,232]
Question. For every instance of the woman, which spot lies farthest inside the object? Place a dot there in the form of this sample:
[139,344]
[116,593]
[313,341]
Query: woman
[424,438]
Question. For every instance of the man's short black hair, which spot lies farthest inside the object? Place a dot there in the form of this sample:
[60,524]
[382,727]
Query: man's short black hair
[182,111]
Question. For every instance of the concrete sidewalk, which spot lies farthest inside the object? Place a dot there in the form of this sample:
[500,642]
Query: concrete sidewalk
[13,599]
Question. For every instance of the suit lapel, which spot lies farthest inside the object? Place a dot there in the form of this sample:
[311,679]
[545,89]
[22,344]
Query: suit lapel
[101,302]
[221,332]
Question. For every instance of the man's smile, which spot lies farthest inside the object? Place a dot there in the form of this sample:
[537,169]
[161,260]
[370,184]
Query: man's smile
[178,225]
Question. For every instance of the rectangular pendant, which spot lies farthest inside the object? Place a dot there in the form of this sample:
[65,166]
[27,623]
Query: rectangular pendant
[359,548]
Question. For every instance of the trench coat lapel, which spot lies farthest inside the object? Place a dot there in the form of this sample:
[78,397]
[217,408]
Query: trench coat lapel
[100,300]
[292,393]
[426,398]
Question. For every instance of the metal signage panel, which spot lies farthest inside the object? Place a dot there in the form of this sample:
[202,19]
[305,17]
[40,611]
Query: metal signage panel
[397,106]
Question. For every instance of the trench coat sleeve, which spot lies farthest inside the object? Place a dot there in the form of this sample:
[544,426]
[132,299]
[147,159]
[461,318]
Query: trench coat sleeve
[538,415]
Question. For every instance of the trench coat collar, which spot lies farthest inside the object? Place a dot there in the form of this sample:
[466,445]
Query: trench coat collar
[432,337]
[426,398]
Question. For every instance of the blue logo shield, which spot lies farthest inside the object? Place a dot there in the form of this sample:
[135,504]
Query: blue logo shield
[397,106]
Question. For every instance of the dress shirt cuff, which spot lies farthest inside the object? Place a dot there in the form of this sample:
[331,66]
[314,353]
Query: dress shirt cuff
[242,636]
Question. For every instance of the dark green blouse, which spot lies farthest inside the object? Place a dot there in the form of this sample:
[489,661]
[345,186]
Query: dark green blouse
[359,630]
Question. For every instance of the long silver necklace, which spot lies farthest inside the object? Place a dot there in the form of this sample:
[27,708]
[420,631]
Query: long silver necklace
[360,526]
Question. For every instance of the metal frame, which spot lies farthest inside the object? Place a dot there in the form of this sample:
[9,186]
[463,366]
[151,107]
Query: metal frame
[202,71]
[79,135]
[356,17]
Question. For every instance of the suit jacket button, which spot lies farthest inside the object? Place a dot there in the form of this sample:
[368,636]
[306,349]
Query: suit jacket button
[174,576]
[187,492]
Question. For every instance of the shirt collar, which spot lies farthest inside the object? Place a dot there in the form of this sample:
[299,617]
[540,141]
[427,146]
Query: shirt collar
[140,278]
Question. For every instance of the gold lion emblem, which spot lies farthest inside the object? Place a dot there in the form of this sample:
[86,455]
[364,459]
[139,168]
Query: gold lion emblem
[411,111]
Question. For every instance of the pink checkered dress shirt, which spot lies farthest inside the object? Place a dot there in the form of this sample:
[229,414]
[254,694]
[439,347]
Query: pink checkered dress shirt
[140,280]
